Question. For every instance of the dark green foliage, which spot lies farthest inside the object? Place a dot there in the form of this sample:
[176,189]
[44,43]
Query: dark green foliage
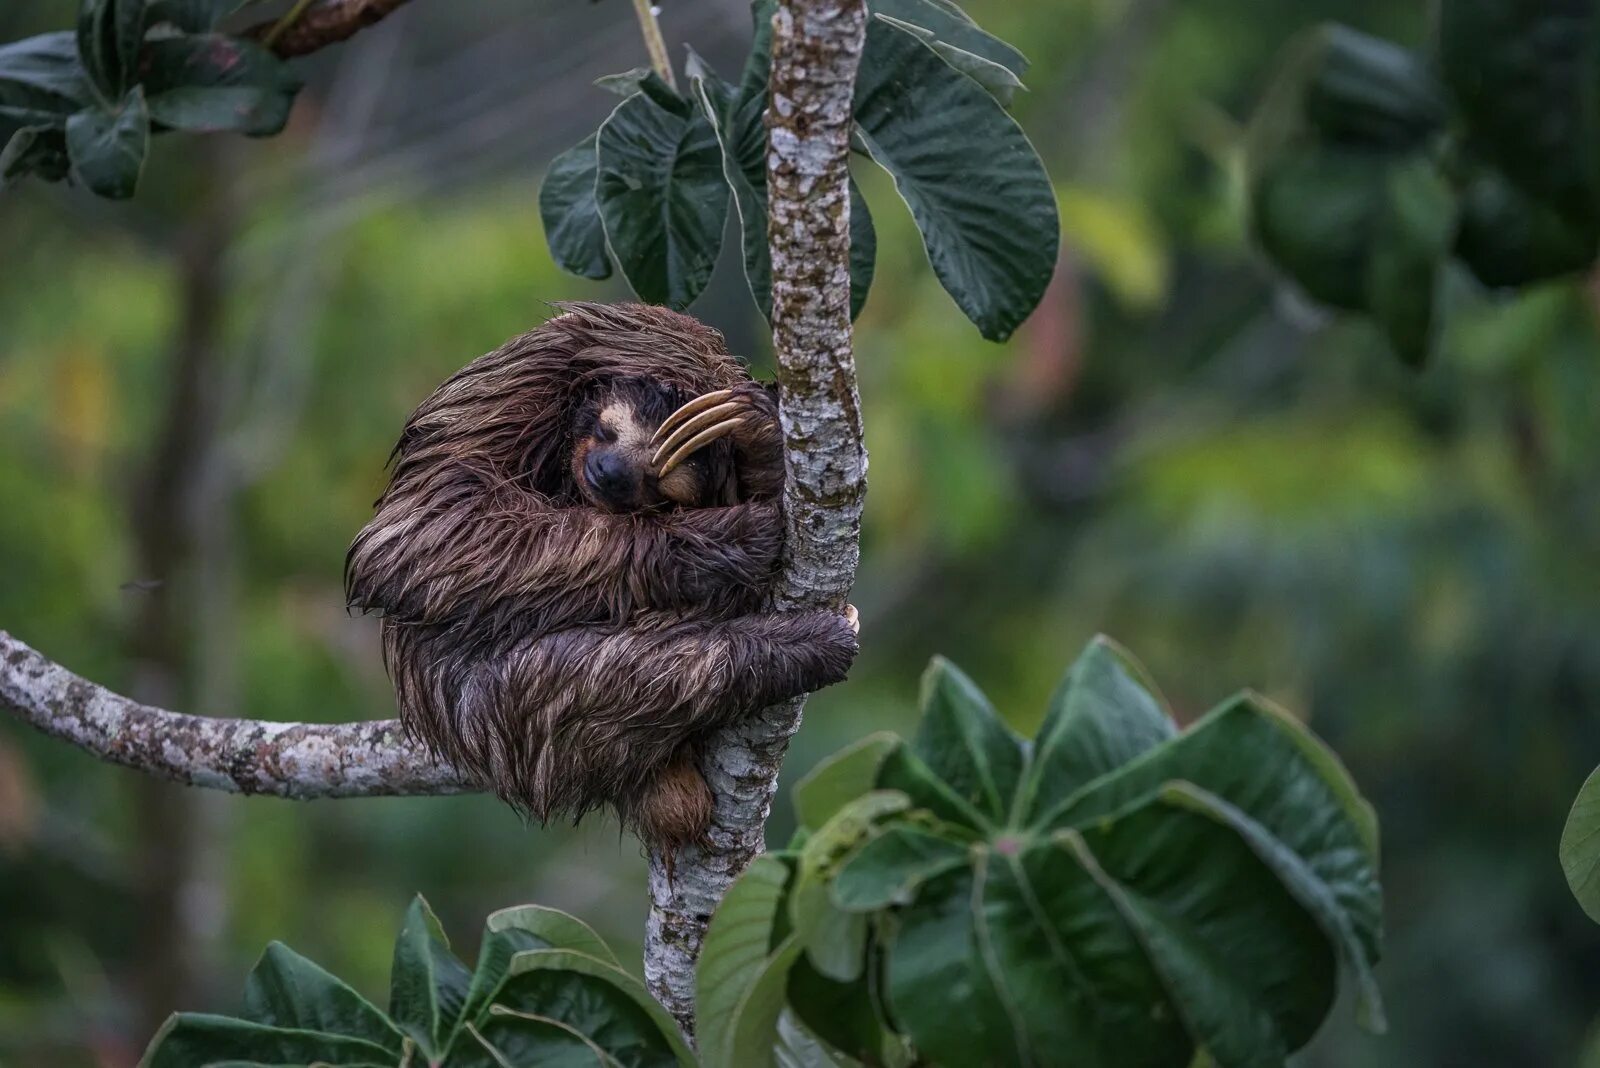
[82,106]
[930,109]
[1371,166]
[546,990]
[1115,892]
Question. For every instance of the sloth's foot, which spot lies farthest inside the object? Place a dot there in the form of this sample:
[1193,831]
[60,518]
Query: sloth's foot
[698,423]
[852,617]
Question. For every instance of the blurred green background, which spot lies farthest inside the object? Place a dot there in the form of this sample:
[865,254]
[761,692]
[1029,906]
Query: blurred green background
[198,391]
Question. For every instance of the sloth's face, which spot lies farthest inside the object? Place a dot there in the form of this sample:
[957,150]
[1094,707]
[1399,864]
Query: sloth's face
[611,458]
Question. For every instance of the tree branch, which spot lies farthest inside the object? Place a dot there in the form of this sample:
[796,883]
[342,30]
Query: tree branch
[294,760]
[816,49]
[320,24]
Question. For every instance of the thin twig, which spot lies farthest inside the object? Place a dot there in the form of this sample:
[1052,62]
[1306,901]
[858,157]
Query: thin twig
[653,41]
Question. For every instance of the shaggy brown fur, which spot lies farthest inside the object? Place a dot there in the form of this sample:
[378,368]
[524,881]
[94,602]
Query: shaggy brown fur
[566,654]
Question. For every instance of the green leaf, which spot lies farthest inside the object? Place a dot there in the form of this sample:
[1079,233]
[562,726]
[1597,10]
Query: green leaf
[214,82]
[948,24]
[841,1014]
[1105,712]
[516,930]
[1250,972]
[742,138]
[997,80]
[662,199]
[841,778]
[904,771]
[753,1034]
[192,16]
[965,743]
[598,1000]
[427,984]
[1364,90]
[798,1048]
[1523,77]
[1407,257]
[109,33]
[107,148]
[287,990]
[890,868]
[735,951]
[36,150]
[1314,212]
[835,940]
[645,80]
[1257,758]
[948,981]
[1344,191]
[514,1039]
[1508,238]
[188,1040]
[975,186]
[1580,847]
[572,225]
[552,927]
[44,73]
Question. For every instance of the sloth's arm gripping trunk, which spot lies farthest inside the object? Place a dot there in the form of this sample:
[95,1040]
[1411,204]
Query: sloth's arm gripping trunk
[484,553]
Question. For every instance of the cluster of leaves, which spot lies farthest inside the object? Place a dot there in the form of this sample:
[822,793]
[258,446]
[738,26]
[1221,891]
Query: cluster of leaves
[546,990]
[1372,167]
[650,190]
[83,105]
[1114,892]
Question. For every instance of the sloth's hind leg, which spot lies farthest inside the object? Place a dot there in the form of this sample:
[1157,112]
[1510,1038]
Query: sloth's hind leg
[589,716]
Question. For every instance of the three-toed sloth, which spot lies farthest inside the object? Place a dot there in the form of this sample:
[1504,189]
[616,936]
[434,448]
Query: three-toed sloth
[574,559]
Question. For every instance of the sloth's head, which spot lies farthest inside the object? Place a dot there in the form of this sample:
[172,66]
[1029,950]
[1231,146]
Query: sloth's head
[612,455]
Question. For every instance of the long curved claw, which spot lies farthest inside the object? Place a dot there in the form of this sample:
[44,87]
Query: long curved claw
[705,437]
[689,410]
[685,431]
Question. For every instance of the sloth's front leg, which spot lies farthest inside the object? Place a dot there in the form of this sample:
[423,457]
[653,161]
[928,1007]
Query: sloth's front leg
[746,414]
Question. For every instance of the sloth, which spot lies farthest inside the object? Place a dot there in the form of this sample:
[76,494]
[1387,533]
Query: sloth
[574,560]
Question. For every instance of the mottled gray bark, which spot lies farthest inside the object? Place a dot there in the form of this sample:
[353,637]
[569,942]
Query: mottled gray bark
[294,760]
[816,48]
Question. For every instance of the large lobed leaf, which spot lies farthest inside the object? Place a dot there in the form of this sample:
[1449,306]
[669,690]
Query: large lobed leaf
[1370,166]
[546,990]
[661,197]
[978,191]
[1345,195]
[1117,893]
[929,107]
[84,104]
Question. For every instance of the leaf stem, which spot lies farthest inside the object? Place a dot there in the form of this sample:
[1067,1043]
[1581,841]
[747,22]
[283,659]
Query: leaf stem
[654,43]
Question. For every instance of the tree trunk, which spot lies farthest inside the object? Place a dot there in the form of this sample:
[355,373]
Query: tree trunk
[816,49]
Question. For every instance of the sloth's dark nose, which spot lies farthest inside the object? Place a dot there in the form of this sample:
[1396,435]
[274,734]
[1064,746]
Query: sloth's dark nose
[607,471]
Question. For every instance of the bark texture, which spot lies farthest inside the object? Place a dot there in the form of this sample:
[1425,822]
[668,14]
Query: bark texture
[322,23]
[294,760]
[816,49]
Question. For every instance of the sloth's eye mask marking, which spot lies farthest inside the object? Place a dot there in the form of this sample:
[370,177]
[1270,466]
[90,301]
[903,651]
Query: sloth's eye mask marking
[612,458]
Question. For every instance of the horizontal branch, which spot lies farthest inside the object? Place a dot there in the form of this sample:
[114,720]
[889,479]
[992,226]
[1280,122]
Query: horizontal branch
[242,756]
[322,23]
